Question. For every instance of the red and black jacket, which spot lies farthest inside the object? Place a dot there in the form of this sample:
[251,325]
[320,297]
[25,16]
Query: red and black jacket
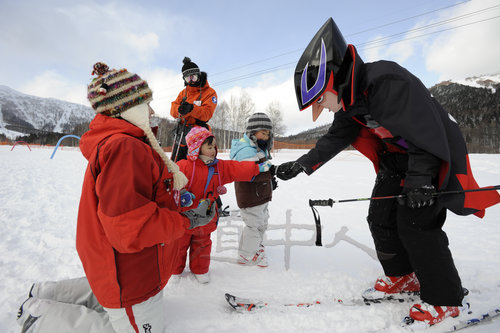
[398,101]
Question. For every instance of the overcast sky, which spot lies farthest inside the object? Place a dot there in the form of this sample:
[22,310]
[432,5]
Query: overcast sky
[48,48]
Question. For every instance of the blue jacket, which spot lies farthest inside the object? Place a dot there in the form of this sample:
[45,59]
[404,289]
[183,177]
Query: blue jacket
[245,149]
[259,190]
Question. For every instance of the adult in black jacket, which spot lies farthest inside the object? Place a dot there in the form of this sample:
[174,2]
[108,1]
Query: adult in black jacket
[416,147]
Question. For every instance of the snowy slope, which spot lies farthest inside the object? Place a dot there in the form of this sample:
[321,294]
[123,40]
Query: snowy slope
[32,112]
[482,81]
[39,202]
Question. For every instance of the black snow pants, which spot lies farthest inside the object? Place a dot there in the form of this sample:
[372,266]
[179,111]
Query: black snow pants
[412,240]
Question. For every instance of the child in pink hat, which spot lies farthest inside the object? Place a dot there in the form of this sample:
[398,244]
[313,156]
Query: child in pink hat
[207,176]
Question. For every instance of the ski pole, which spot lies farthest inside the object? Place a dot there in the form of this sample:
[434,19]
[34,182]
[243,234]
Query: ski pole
[330,202]
[180,142]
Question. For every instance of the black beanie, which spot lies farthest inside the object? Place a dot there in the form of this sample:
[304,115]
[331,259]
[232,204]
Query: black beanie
[189,67]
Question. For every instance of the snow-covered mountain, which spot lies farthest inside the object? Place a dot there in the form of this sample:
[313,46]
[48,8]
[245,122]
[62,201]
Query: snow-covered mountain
[22,114]
[490,81]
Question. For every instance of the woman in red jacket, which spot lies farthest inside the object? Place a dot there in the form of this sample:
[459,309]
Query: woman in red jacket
[128,221]
[207,176]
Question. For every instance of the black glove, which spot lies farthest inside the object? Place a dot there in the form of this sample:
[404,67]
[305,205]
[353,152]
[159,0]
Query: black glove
[274,183]
[185,108]
[272,169]
[200,216]
[288,170]
[418,197]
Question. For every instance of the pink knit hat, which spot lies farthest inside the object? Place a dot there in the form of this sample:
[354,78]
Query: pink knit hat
[194,139]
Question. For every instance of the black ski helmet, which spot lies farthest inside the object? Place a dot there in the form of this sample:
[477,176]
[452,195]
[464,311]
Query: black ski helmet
[319,64]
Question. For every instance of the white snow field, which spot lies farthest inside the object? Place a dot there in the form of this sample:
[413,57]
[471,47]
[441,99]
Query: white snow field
[39,200]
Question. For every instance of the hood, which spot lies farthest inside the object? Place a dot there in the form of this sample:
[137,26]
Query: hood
[238,144]
[245,148]
[349,76]
[102,127]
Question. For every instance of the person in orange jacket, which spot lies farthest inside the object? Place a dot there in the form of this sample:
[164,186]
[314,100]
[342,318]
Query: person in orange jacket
[129,221]
[194,106]
[207,176]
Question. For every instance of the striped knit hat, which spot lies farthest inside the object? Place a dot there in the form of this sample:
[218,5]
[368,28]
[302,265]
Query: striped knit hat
[120,93]
[189,67]
[258,121]
[114,91]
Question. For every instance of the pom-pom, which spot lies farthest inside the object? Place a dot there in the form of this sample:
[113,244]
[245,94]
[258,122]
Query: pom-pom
[186,60]
[100,68]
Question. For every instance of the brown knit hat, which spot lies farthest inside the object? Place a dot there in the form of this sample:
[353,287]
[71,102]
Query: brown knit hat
[114,91]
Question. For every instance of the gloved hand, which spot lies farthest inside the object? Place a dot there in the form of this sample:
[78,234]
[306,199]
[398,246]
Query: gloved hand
[272,169]
[418,197]
[185,108]
[186,198]
[274,183]
[265,166]
[200,216]
[288,170]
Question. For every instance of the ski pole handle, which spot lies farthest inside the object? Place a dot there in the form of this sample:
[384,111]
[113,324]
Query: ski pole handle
[328,202]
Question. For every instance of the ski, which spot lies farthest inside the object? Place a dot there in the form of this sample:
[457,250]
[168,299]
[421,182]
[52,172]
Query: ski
[476,320]
[244,305]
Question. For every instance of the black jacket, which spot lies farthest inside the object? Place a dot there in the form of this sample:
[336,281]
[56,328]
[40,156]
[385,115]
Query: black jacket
[398,101]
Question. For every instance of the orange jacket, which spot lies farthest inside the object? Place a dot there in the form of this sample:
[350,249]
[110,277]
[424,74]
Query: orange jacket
[230,171]
[203,112]
[128,222]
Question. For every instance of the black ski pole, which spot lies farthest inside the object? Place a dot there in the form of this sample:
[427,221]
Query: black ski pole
[330,202]
[175,151]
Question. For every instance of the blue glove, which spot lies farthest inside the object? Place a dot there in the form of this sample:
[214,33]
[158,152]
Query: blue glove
[265,166]
[186,198]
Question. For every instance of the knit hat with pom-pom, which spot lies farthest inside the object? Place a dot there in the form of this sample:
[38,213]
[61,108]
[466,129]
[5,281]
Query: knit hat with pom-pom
[194,140]
[118,93]
[189,67]
[115,91]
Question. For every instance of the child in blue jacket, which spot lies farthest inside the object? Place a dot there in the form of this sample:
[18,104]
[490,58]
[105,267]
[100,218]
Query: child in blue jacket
[253,197]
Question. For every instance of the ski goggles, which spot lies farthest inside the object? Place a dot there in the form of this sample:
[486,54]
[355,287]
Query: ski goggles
[191,78]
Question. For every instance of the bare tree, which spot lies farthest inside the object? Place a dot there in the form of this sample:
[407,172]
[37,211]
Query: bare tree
[241,108]
[220,119]
[274,112]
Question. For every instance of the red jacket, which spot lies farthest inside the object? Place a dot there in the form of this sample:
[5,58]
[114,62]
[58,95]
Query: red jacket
[203,112]
[230,171]
[128,222]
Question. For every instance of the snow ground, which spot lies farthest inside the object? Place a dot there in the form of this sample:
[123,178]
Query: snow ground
[38,206]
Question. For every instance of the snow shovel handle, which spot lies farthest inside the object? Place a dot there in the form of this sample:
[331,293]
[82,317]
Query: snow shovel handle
[330,202]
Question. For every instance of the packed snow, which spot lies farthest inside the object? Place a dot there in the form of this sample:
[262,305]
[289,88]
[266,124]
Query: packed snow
[39,200]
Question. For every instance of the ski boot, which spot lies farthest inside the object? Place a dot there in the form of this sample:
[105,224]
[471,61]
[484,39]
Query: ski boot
[399,288]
